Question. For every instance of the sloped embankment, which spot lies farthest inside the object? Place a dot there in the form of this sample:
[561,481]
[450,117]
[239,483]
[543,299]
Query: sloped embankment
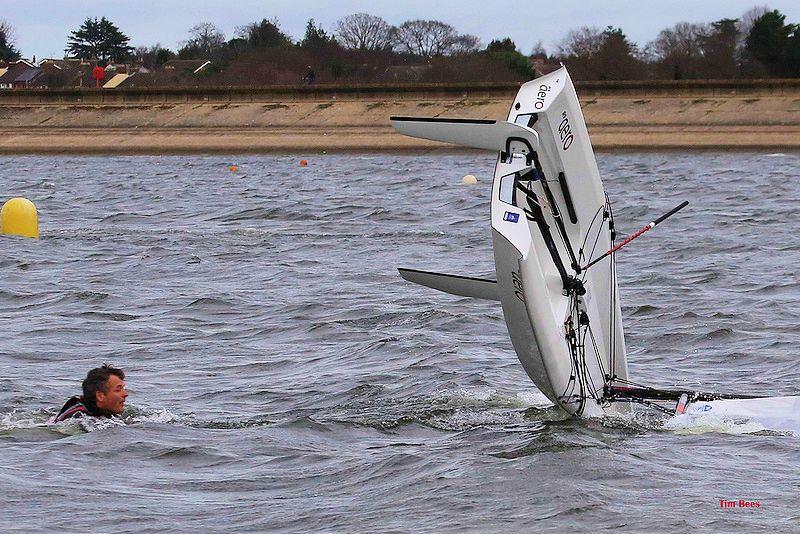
[754,114]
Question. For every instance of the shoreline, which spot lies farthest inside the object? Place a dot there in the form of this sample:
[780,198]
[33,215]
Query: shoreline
[625,116]
[371,140]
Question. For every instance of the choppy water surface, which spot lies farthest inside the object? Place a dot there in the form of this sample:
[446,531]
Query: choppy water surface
[284,377]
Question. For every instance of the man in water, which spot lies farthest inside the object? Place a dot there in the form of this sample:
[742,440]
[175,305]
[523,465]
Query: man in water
[104,395]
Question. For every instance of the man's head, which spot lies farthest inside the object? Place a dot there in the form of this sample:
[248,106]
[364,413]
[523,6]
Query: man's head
[104,389]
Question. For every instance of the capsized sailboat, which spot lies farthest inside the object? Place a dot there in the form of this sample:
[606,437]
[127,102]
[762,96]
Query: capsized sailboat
[554,242]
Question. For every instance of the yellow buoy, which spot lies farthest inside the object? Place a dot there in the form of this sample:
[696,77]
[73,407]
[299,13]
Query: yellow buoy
[18,217]
[469,180]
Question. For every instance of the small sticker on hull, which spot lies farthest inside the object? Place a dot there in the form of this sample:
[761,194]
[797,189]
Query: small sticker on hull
[510,216]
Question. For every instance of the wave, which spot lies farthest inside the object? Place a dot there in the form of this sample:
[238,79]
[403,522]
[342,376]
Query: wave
[446,409]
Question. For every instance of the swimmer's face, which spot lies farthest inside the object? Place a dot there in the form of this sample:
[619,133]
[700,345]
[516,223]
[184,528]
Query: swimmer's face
[113,398]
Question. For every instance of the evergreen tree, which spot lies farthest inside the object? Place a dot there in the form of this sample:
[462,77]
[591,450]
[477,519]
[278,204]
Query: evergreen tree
[7,50]
[768,41]
[719,49]
[264,34]
[793,54]
[504,45]
[505,51]
[316,37]
[99,39]
[616,57]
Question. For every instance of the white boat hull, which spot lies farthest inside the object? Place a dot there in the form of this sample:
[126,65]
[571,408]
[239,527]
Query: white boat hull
[535,303]
[549,216]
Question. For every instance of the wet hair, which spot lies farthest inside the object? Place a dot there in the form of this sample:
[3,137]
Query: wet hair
[95,381]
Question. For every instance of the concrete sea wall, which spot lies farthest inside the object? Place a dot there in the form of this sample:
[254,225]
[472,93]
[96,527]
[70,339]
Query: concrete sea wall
[752,114]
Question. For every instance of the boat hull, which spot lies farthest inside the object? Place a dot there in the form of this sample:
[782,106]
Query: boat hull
[542,233]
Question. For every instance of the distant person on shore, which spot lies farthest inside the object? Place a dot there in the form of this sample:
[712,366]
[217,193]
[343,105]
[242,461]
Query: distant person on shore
[104,395]
[310,75]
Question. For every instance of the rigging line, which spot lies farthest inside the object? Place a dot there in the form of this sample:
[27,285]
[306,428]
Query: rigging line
[572,362]
[588,375]
[626,382]
[573,368]
[563,242]
[570,389]
[556,212]
[649,404]
[589,380]
[611,218]
[591,225]
[612,318]
[647,227]
[612,312]
[570,382]
[573,373]
[594,247]
[584,374]
[597,352]
[599,364]
[582,355]
[578,354]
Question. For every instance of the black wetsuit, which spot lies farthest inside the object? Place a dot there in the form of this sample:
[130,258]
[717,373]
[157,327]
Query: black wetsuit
[76,407]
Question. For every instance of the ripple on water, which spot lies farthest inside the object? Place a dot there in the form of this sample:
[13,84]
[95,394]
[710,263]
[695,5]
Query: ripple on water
[283,375]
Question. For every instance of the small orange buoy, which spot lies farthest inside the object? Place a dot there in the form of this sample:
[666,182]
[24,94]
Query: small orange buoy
[233,168]
[303,163]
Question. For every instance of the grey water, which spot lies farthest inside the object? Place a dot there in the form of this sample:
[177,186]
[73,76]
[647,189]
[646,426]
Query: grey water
[284,378]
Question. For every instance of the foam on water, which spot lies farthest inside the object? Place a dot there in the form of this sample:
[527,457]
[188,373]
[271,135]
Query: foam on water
[705,423]
[25,420]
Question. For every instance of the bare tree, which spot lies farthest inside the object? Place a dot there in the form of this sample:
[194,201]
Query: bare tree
[583,42]
[154,56]
[364,32]
[465,44]
[684,41]
[594,54]
[746,21]
[430,38]
[205,38]
[8,30]
[538,50]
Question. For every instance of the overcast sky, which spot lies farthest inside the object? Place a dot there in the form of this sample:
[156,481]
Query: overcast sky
[42,26]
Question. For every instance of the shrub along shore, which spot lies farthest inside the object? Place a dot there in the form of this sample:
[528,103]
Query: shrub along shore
[686,114]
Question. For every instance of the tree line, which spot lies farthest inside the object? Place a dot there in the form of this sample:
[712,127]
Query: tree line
[364,48]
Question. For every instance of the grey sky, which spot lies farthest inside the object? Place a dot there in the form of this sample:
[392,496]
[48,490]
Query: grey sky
[42,26]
